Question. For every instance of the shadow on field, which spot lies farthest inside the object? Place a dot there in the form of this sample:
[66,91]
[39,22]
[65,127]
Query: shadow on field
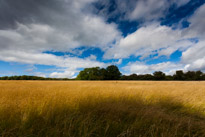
[105,117]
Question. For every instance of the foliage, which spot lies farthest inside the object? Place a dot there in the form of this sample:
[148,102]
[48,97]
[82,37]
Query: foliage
[110,73]
[179,75]
[25,77]
[158,75]
[91,74]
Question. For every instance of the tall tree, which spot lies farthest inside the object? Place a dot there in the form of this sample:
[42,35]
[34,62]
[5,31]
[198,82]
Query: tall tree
[179,75]
[190,75]
[90,74]
[199,75]
[158,75]
[113,73]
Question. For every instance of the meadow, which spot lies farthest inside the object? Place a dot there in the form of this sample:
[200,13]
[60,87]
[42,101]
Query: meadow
[102,109]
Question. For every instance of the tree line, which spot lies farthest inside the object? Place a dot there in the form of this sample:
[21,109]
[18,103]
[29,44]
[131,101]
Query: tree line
[112,73]
[158,75]
[25,77]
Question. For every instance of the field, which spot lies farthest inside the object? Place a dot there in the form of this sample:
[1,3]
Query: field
[102,109]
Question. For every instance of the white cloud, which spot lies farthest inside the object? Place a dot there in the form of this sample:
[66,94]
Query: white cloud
[198,64]
[63,30]
[164,41]
[142,68]
[71,63]
[197,27]
[44,37]
[153,38]
[65,74]
[40,74]
[147,39]
[71,27]
[148,9]
[140,10]
[153,9]
[180,45]
[193,53]
[92,57]
[194,57]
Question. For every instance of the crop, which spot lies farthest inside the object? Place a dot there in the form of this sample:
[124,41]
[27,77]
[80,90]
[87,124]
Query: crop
[102,109]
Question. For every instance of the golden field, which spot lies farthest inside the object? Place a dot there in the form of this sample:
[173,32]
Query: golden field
[102,109]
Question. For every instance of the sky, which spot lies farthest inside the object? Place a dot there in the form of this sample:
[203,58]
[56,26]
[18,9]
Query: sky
[59,38]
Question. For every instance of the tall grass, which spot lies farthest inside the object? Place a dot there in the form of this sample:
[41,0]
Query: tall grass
[103,109]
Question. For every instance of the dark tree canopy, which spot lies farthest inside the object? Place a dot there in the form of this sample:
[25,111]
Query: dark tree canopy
[110,73]
[91,74]
[158,75]
[179,75]
[25,77]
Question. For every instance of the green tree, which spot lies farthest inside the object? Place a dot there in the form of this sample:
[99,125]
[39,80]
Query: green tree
[158,75]
[95,74]
[83,75]
[90,74]
[103,73]
[148,77]
[190,75]
[199,75]
[110,73]
[113,73]
[179,75]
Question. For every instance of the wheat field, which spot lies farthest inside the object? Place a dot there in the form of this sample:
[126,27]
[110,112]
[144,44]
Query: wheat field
[102,109]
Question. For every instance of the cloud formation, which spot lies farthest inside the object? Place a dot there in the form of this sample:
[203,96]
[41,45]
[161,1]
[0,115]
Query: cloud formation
[197,27]
[141,10]
[142,68]
[34,27]
[147,39]
[153,9]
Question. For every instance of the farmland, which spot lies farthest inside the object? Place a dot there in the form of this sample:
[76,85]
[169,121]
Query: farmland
[102,108]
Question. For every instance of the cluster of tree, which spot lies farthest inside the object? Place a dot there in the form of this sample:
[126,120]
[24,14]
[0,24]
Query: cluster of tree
[158,75]
[190,75]
[110,73]
[25,77]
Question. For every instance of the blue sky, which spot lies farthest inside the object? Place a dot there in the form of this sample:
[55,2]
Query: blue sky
[60,38]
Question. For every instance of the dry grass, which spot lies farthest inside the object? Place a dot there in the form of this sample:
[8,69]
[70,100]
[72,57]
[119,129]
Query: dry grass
[122,108]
